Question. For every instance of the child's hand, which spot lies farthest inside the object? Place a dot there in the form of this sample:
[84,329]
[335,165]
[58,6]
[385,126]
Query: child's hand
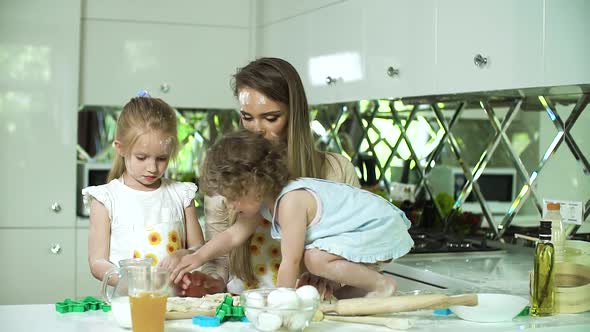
[187,264]
[173,259]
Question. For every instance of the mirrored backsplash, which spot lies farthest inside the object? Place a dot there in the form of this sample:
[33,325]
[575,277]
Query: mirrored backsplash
[476,160]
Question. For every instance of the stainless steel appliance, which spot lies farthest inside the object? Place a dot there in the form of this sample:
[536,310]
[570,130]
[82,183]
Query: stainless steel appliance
[497,184]
[89,174]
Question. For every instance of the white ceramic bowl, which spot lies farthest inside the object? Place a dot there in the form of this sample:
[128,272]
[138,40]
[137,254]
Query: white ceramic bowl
[492,308]
[284,312]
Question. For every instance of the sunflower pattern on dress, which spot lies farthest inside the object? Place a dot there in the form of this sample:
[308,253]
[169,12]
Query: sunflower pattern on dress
[274,250]
[265,257]
[251,285]
[173,237]
[153,257]
[154,238]
[255,249]
[158,241]
[171,247]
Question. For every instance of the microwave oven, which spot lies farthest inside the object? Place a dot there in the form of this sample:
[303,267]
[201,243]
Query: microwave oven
[89,174]
[497,185]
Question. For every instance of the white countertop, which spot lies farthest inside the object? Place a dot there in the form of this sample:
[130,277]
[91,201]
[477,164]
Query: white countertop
[505,272]
[43,317]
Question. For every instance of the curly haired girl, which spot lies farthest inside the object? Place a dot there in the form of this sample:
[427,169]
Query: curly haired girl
[338,232]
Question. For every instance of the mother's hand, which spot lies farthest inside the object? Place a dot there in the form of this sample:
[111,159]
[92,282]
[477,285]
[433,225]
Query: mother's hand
[325,287]
[198,284]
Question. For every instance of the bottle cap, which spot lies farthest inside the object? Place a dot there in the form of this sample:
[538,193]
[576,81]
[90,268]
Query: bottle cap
[553,206]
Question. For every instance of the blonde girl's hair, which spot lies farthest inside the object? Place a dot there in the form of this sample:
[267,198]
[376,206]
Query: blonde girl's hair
[139,116]
[237,163]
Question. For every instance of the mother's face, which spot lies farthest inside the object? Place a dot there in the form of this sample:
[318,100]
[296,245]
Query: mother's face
[263,115]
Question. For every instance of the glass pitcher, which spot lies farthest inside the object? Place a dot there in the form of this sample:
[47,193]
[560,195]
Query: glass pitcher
[148,293]
[118,296]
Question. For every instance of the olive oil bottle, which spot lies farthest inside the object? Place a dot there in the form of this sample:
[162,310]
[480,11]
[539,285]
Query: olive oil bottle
[543,292]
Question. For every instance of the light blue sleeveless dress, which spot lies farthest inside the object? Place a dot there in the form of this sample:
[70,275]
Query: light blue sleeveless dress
[354,223]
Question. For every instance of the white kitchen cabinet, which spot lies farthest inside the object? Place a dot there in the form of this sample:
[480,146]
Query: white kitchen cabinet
[567,31]
[234,13]
[86,284]
[272,11]
[336,69]
[37,265]
[39,57]
[288,40]
[39,61]
[187,66]
[324,45]
[507,35]
[343,51]
[399,48]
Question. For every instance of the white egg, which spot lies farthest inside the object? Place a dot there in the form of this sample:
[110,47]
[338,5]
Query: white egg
[269,322]
[296,322]
[255,300]
[308,295]
[252,314]
[283,298]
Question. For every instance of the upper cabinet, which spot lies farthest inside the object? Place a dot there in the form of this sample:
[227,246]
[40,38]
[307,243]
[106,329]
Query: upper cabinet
[187,66]
[351,50]
[287,40]
[272,11]
[323,47]
[335,64]
[186,57]
[234,13]
[488,45]
[567,42]
[344,50]
[399,48]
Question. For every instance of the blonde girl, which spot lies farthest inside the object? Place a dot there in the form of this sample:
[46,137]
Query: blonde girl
[139,213]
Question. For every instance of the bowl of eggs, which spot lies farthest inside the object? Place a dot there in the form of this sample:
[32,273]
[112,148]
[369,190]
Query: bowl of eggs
[286,309]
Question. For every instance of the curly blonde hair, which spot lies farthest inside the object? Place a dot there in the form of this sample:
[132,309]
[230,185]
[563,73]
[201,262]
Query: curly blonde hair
[241,161]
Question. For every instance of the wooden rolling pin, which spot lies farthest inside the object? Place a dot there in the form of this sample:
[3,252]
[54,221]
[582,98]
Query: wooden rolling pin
[383,305]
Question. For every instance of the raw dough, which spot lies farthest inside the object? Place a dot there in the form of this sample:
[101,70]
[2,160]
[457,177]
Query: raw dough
[187,304]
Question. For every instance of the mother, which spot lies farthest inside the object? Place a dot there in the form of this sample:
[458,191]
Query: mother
[273,103]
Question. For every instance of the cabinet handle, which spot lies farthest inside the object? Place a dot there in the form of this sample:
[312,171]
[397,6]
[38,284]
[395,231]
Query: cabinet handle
[391,72]
[480,61]
[165,87]
[55,249]
[331,80]
[56,207]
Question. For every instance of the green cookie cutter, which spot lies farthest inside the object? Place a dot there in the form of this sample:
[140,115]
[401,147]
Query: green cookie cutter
[89,303]
[226,311]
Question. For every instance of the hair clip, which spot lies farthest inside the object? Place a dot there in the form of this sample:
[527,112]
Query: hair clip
[143,93]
